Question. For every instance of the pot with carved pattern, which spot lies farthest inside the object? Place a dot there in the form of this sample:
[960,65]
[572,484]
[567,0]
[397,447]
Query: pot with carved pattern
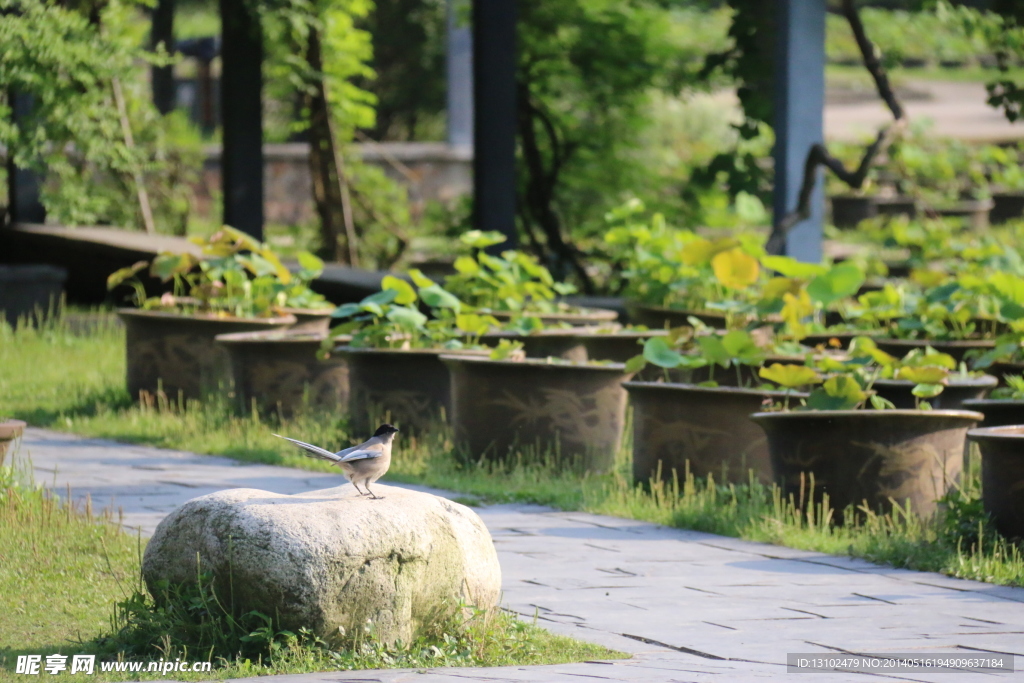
[867,457]
[574,412]
[176,355]
[704,430]
[286,372]
[406,387]
[1002,476]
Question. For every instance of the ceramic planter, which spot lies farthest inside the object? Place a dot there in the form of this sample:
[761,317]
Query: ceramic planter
[1007,206]
[280,372]
[618,346]
[10,430]
[957,349]
[1002,476]
[868,456]
[973,211]
[177,354]
[310,319]
[849,210]
[998,412]
[1003,368]
[896,206]
[575,411]
[409,387]
[958,390]
[577,317]
[659,317]
[564,343]
[707,429]
[30,291]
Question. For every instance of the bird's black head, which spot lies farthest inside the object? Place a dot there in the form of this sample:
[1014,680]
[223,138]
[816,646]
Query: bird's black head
[384,430]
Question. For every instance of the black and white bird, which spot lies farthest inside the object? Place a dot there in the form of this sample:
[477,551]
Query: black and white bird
[363,464]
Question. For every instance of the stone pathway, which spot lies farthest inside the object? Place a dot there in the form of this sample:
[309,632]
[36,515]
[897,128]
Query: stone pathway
[688,606]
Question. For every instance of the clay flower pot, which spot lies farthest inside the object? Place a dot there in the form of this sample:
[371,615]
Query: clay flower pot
[564,343]
[659,317]
[708,429]
[998,412]
[310,319]
[1002,476]
[958,390]
[279,371]
[617,346]
[10,430]
[868,456]
[408,386]
[957,349]
[849,210]
[177,353]
[1007,206]
[575,411]
[576,317]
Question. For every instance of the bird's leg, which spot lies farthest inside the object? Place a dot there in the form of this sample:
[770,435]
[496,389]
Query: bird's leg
[373,495]
[358,489]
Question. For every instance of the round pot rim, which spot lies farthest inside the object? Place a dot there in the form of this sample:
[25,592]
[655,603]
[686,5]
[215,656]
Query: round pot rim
[366,350]
[11,428]
[627,334]
[993,401]
[582,313]
[653,307]
[204,317]
[1000,433]
[309,311]
[983,381]
[618,368]
[682,386]
[556,333]
[272,336]
[935,343]
[896,412]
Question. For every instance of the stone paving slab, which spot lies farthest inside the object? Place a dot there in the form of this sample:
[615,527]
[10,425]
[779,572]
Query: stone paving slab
[689,606]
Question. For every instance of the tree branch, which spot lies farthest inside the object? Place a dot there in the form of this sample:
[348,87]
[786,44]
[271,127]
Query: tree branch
[819,154]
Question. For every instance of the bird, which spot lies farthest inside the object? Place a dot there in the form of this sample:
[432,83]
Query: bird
[363,464]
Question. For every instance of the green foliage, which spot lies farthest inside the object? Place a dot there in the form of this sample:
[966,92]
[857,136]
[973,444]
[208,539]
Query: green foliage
[391,317]
[73,130]
[237,276]
[1002,33]
[582,106]
[409,65]
[514,281]
[668,266]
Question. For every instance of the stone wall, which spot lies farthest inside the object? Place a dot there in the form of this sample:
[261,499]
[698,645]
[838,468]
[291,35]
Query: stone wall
[430,170]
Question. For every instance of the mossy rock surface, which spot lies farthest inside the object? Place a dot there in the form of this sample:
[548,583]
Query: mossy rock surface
[332,560]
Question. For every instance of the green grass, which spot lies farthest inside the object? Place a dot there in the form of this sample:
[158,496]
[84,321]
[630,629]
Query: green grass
[71,584]
[52,378]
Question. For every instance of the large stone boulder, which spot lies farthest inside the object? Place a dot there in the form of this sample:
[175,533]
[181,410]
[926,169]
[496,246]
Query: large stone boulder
[331,560]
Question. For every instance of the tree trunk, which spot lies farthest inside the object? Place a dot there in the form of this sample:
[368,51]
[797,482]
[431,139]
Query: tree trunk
[330,189]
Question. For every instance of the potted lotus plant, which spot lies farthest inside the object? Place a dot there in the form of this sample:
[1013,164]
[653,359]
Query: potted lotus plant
[671,275]
[698,420]
[959,317]
[853,448]
[514,285]
[393,351]
[1005,405]
[575,411]
[235,284]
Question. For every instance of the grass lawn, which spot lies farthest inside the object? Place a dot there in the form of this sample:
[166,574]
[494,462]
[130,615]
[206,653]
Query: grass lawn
[55,379]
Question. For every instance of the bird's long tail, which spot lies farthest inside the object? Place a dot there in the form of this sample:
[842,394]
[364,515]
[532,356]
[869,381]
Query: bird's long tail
[311,450]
